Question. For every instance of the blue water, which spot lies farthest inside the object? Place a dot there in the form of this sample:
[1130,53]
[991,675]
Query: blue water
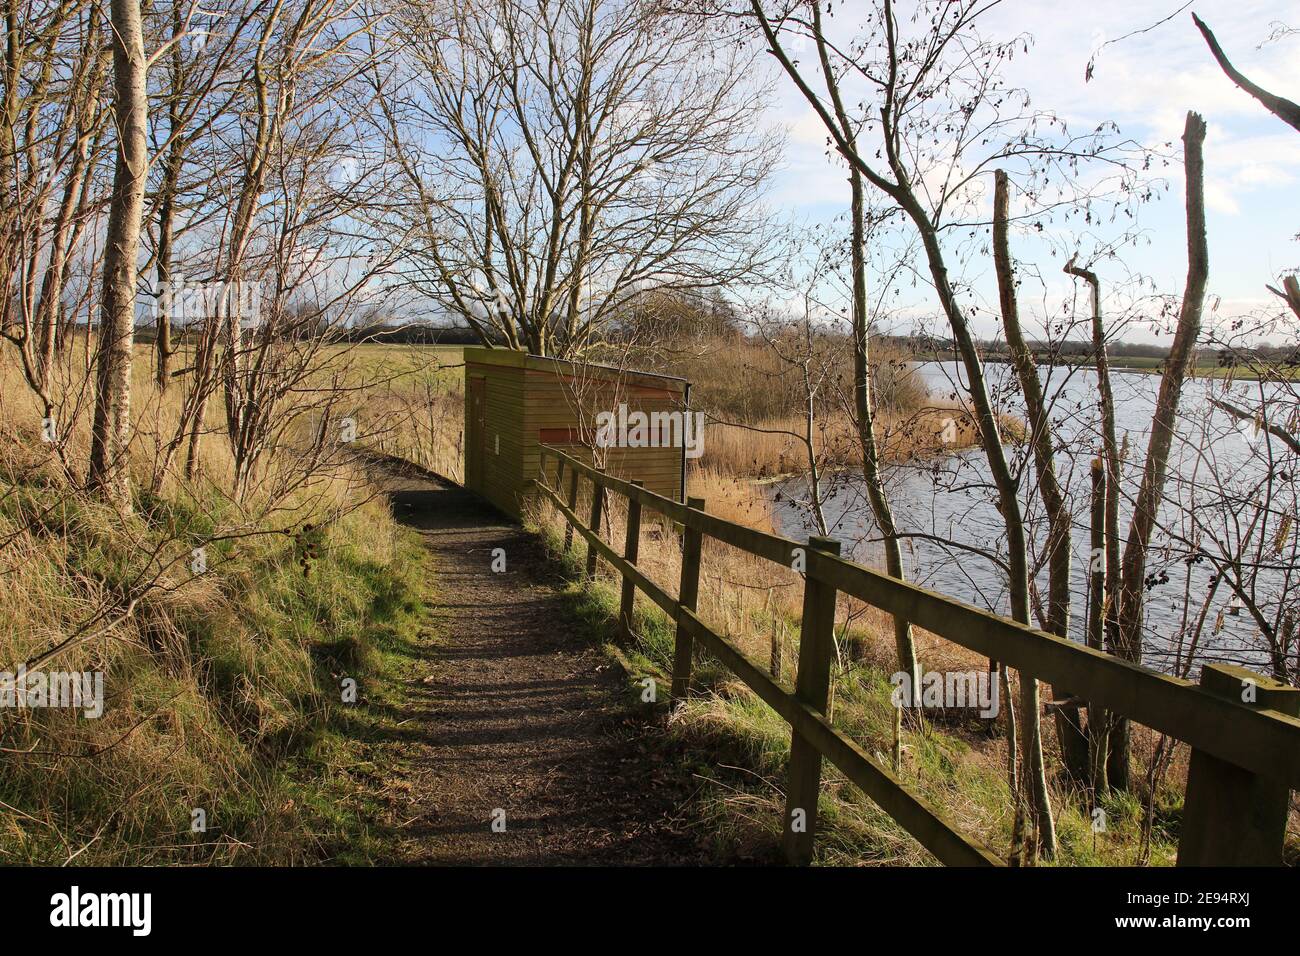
[1214,458]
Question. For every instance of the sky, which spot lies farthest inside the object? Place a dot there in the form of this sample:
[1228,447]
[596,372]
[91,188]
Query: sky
[1145,83]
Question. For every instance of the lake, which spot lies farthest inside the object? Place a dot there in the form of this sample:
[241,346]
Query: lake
[1215,459]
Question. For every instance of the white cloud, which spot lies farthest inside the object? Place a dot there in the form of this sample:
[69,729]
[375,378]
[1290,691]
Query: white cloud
[807,128]
[1219,198]
[1146,83]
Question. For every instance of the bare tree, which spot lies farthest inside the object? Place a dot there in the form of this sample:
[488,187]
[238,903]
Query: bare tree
[1284,109]
[936,100]
[1104,554]
[1042,438]
[53,136]
[557,160]
[1181,356]
[864,412]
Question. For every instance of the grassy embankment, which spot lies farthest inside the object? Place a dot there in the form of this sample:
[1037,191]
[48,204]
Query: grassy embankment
[223,689]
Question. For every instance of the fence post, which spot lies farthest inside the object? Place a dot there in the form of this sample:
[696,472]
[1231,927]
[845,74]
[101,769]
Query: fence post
[688,592]
[1232,817]
[573,506]
[631,545]
[597,504]
[812,687]
[559,473]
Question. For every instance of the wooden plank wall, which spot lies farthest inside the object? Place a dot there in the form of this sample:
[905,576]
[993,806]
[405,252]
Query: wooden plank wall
[552,404]
[526,395]
[503,480]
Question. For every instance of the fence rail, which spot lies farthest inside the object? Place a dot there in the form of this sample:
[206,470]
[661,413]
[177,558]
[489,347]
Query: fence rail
[1244,729]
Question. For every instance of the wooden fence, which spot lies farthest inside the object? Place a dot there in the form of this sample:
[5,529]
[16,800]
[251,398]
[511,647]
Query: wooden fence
[1244,728]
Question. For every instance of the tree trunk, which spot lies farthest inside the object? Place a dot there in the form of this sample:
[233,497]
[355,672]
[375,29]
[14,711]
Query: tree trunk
[167,210]
[1133,568]
[163,320]
[1069,731]
[1107,724]
[1098,718]
[109,474]
[904,644]
[49,310]
[1032,771]
[1013,770]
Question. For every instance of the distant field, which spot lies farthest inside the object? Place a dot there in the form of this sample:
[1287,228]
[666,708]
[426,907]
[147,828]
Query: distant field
[1152,366]
[415,401]
[441,362]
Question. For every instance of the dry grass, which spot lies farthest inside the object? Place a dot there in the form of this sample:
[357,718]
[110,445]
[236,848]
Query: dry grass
[742,379]
[415,402]
[213,681]
[775,447]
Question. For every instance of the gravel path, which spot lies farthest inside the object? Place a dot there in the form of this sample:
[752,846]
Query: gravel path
[508,709]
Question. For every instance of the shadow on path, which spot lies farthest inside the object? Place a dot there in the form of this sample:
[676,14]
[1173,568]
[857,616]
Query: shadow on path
[509,709]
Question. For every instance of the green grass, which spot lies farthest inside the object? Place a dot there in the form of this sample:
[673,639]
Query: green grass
[224,693]
[399,366]
[331,778]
